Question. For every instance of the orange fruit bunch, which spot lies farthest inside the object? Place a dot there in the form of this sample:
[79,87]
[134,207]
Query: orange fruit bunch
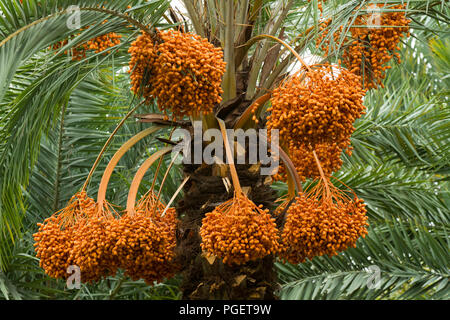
[90,236]
[97,44]
[372,47]
[104,42]
[183,71]
[143,60]
[329,155]
[92,244]
[77,52]
[146,240]
[317,106]
[324,221]
[239,231]
[315,110]
[53,241]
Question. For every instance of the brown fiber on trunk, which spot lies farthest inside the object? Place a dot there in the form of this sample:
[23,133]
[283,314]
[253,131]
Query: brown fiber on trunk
[210,279]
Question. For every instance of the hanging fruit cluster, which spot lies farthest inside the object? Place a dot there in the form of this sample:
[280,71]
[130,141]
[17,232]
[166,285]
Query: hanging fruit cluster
[98,44]
[146,241]
[324,221]
[181,70]
[54,239]
[143,57]
[317,106]
[372,47]
[98,241]
[239,231]
[104,42]
[315,110]
[77,52]
[303,159]
[92,244]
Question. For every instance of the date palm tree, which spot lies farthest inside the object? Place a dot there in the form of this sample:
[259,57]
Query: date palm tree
[56,114]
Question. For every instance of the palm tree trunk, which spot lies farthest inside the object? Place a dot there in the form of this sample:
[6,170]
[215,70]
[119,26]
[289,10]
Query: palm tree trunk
[210,279]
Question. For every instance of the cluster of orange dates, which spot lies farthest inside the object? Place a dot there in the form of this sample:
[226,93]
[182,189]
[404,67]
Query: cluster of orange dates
[98,241]
[148,237]
[98,44]
[183,71]
[324,221]
[315,110]
[238,231]
[372,42]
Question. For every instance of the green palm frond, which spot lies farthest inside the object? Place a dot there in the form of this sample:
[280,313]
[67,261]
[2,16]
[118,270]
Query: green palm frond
[400,126]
